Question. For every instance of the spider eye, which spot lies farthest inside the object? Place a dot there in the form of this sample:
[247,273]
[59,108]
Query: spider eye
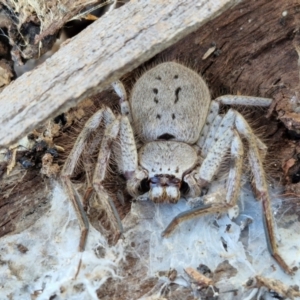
[184,187]
[144,186]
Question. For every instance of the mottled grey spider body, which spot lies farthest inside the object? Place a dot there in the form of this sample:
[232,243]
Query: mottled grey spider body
[184,141]
[172,100]
[160,103]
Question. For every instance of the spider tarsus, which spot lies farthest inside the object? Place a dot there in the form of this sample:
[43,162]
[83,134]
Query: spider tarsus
[83,239]
[283,264]
[170,228]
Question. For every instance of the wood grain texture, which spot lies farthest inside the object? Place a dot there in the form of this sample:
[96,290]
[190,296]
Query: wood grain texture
[85,65]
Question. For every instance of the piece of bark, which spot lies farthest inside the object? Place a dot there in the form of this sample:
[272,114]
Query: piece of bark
[24,198]
[115,44]
[290,292]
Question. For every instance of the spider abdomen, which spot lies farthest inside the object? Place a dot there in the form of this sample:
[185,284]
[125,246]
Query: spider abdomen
[172,100]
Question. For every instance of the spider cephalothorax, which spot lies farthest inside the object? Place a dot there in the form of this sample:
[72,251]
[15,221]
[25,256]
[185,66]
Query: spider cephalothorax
[185,140]
[166,162]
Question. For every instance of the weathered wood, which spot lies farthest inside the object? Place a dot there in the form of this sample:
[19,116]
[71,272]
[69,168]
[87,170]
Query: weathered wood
[109,48]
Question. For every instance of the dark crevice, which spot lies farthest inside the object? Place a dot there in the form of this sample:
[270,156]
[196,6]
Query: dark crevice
[166,136]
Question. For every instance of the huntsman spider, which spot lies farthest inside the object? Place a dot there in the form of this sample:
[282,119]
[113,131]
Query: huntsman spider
[184,140]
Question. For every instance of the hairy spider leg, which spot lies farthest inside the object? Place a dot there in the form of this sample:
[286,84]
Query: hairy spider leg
[261,190]
[91,125]
[217,143]
[232,188]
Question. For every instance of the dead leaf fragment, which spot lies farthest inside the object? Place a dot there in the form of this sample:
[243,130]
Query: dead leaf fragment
[209,52]
[276,285]
[198,278]
[288,164]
